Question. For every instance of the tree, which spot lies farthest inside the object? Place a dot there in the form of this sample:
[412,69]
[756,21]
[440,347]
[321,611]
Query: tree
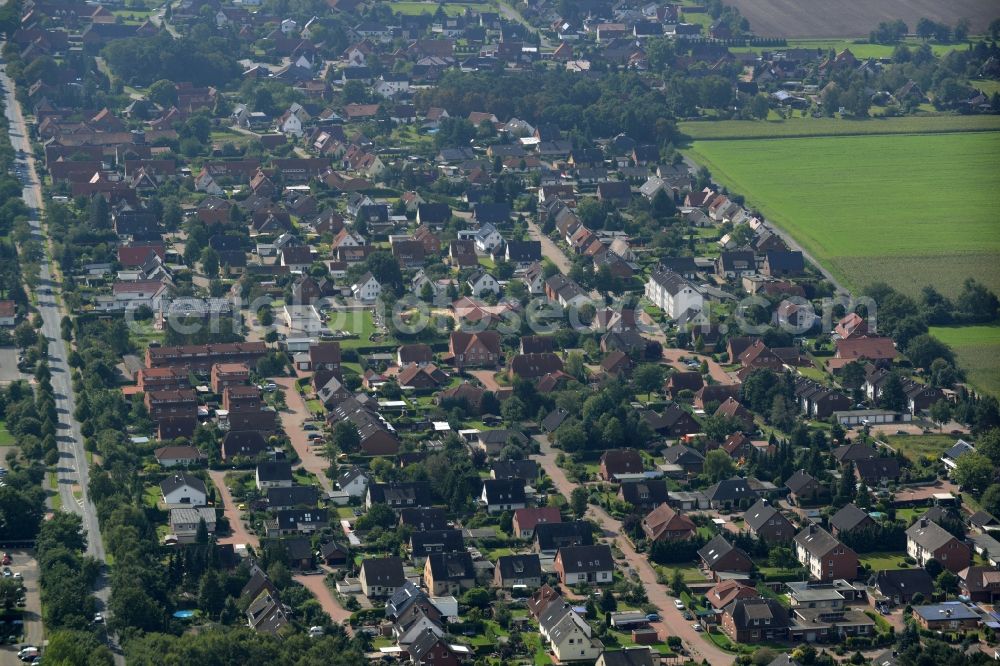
[923,349]
[345,437]
[718,465]
[578,501]
[513,410]
[941,412]
[976,303]
[210,262]
[760,107]
[892,396]
[990,499]
[164,93]
[947,582]
[608,602]
[648,377]
[677,584]
[211,593]
[10,590]
[974,471]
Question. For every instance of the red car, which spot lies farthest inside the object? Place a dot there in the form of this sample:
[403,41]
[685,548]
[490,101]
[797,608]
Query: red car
[6,559]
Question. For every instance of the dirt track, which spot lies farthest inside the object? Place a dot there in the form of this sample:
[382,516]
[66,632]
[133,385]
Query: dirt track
[856,18]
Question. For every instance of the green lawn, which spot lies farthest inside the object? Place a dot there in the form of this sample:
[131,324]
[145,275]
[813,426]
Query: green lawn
[6,439]
[797,127]
[915,447]
[879,561]
[977,349]
[450,8]
[870,208]
[860,50]
[359,322]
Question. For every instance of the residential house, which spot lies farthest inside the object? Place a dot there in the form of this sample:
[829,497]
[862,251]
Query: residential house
[664,523]
[718,556]
[645,494]
[184,522]
[900,586]
[474,349]
[824,555]
[621,462]
[805,490]
[367,289]
[850,518]
[449,573]
[522,572]
[673,294]
[426,542]
[526,519]
[381,577]
[273,475]
[585,565]
[727,591]
[688,459]
[178,456]
[501,495]
[767,523]
[550,537]
[926,540]
[730,493]
[183,490]
[951,616]
[755,621]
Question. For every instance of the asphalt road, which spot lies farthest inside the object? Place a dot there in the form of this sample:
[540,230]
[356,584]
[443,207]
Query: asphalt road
[672,622]
[72,470]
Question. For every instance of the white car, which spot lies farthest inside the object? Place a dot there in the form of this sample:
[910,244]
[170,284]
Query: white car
[316,632]
[678,604]
[28,653]
[697,627]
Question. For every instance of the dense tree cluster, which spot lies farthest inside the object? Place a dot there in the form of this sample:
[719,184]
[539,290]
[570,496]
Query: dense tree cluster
[144,60]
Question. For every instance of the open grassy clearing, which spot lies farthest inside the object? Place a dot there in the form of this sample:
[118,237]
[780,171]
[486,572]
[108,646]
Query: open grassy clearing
[814,127]
[855,18]
[879,561]
[6,439]
[915,447]
[977,349]
[450,8]
[860,48]
[873,207]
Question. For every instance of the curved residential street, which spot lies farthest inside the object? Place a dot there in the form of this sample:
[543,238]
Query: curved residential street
[672,623]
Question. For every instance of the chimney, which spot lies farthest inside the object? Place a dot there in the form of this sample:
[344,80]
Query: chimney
[923,522]
[812,528]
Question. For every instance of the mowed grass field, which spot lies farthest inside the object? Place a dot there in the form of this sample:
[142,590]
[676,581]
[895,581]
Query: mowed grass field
[977,349]
[907,209]
[450,8]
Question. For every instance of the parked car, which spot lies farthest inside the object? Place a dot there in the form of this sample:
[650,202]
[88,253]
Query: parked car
[652,617]
[98,618]
[6,559]
[697,627]
[678,604]
[309,426]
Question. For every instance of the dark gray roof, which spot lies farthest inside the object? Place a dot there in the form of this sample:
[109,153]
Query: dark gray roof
[679,453]
[848,518]
[928,534]
[519,566]
[441,541]
[633,656]
[731,490]
[552,536]
[582,559]
[715,549]
[292,496]
[746,611]
[385,571]
[904,582]
[451,566]
[799,480]
[526,470]
[504,491]
[180,479]
[274,471]
[761,512]
[401,599]
[817,541]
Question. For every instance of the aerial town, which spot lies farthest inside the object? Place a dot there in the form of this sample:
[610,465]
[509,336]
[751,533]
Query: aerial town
[499,332]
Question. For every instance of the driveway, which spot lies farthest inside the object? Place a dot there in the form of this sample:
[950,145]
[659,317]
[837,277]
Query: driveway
[487,379]
[240,534]
[673,355]
[672,624]
[324,595]
[8,365]
[292,419]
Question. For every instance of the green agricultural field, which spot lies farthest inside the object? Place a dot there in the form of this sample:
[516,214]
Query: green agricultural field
[977,349]
[860,49]
[798,127]
[908,209]
[450,8]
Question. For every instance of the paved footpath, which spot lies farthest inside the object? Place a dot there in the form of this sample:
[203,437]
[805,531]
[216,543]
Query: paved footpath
[672,622]
[292,419]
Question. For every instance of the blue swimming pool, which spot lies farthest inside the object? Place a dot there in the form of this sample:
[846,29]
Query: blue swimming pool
[184,614]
